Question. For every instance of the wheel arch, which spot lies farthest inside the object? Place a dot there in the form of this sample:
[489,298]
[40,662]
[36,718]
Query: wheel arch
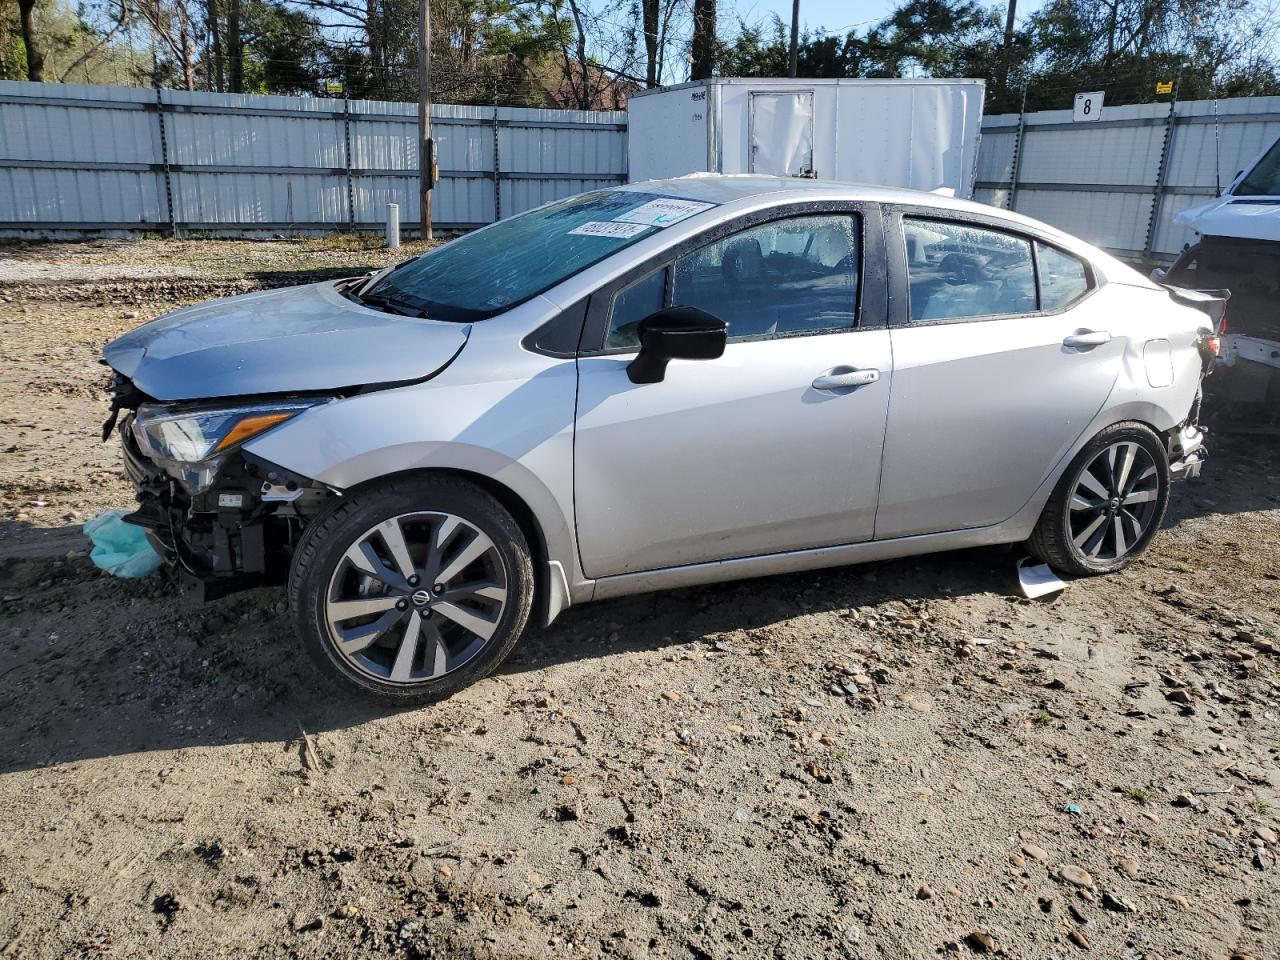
[549,597]
[1144,413]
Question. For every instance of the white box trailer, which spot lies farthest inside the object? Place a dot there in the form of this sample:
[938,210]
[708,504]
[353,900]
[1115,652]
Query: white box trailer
[902,133]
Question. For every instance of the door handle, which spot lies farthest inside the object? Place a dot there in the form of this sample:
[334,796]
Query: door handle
[1087,338]
[842,378]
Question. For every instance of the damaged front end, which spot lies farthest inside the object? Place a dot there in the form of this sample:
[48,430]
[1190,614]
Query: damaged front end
[226,519]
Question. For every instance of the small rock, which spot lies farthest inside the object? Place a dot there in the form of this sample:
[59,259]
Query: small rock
[1017,861]
[670,696]
[346,911]
[1128,866]
[1078,938]
[980,941]
[1035,853]
[1184,800]
[1265,834]
[1181,902]
[1117,903]
[925,892]
[1078,876]
[920,706]
[880,675]
[1178,695]
[815,770]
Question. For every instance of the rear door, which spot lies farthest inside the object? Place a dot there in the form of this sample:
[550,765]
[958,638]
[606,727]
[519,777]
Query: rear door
[760,451]
[1002,357]
[781,133]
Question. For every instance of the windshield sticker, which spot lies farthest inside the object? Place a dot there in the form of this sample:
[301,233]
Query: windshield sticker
[663,212]
[615,230]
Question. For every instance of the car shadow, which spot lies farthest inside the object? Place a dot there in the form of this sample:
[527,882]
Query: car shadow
[697,616]
[92,666]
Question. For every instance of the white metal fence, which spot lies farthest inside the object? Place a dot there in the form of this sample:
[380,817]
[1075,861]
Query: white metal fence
[114,158]
[1119,181]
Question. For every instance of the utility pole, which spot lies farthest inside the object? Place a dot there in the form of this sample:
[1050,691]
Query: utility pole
[426,147]
[1007,53]
[793,58]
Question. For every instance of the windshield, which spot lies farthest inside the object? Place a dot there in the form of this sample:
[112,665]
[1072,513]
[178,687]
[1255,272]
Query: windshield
[1264,179]
[491,270]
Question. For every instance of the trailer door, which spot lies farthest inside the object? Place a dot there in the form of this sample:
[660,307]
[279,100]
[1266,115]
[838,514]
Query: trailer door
[781,133]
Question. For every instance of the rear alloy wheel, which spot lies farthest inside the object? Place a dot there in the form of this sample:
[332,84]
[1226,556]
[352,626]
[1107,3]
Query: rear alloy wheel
[410,592]
[1108,505]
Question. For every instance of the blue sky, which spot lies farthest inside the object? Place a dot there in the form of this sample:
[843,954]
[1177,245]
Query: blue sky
[836,16]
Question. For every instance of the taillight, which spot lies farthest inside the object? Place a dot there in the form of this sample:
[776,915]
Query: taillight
[1210,345]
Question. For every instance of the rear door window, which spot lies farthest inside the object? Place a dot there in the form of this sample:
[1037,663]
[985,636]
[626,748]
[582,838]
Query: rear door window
[959,271]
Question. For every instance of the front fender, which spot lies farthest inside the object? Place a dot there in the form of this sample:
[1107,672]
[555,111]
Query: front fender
[517,431]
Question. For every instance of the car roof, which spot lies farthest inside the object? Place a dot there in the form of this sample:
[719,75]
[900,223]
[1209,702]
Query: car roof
[728,187]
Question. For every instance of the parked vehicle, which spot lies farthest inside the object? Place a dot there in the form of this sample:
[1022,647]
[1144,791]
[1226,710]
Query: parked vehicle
[1238,248]
[652,386]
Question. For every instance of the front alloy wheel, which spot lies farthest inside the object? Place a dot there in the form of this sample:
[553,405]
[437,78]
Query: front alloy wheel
[410,591]
[1108,505]
[416,596]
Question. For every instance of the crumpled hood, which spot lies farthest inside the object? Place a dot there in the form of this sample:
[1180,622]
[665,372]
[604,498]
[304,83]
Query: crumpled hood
[292,340]
[1248,218]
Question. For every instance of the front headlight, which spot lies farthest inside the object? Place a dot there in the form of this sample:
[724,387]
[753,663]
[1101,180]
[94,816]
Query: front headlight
[191,444]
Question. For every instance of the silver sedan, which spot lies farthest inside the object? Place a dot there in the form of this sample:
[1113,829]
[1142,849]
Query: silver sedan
[663,384]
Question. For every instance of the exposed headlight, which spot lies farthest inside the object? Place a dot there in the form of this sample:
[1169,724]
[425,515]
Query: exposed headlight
[191,444]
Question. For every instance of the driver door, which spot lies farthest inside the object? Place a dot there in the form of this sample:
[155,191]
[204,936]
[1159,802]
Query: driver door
[753,453]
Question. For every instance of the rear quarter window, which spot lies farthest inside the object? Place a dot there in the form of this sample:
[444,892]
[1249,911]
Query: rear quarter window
[1064,279]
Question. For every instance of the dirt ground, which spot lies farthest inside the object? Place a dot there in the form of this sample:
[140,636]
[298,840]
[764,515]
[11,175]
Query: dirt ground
[899,760]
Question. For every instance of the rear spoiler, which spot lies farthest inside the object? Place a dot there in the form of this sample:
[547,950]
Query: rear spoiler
[1212,303]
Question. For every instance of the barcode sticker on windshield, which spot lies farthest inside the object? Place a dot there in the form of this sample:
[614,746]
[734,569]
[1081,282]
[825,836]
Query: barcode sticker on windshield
[618,231]
[663,212]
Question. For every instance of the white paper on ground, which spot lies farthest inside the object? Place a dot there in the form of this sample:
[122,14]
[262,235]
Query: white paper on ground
[617,231]
[663,212]
[1037,579]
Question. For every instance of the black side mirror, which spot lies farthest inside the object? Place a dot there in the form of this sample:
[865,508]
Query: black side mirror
[677,333]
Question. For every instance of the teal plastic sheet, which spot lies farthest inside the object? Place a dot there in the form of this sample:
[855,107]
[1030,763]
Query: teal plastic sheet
[120,548]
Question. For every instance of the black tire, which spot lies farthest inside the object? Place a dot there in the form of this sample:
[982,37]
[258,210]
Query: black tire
[1055,541]
[322,560]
